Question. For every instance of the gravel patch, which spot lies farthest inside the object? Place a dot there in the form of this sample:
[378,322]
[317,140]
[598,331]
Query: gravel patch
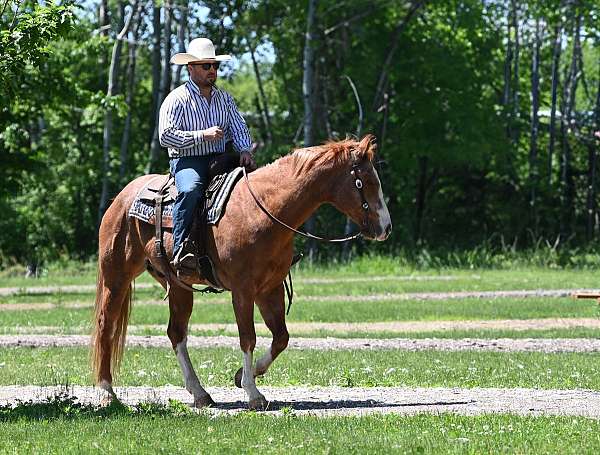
[335,401]
[401,327]
[408,296]
[325,344]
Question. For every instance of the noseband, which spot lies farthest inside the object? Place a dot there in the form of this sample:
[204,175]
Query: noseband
[358,183]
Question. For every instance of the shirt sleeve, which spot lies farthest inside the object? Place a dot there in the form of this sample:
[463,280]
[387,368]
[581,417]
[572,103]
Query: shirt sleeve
[237,129]
[170,133]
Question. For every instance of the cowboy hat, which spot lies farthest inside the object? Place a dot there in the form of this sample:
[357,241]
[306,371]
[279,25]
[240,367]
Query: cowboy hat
[198,50]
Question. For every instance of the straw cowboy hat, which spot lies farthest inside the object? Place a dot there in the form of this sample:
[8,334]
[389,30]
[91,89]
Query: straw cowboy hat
[199,49]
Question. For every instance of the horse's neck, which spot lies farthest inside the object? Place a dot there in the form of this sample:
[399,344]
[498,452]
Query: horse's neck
[295,196]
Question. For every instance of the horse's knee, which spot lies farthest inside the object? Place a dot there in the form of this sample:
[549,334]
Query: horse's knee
[280,342]
[176,335]
[247,344]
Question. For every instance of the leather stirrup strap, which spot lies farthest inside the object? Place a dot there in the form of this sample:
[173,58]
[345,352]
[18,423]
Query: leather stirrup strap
[159,247]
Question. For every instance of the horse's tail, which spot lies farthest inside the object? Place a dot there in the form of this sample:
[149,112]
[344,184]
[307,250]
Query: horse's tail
[119,328]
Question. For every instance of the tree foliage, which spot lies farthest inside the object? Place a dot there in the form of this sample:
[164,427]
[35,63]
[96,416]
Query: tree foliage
[447,87]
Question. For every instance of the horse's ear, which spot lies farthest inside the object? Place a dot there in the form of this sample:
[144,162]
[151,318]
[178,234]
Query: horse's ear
[368,146]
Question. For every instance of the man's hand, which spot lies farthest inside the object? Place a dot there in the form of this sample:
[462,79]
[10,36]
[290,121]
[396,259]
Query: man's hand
[247,160]
[214,133]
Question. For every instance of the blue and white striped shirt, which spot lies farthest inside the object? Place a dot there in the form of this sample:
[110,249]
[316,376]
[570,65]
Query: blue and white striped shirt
[185,113]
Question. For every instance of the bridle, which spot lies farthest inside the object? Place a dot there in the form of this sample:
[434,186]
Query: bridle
[358,183]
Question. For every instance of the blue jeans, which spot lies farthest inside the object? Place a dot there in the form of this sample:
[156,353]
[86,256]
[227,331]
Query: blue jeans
[191,179]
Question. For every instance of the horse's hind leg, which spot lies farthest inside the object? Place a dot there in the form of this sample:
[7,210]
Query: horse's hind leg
[272,309]
[113,300]
[180,307]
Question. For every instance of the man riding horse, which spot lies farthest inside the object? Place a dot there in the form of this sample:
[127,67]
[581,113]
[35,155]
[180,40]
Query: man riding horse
[196,120]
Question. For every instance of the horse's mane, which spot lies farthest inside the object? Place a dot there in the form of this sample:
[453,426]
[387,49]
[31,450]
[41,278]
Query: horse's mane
[334,153]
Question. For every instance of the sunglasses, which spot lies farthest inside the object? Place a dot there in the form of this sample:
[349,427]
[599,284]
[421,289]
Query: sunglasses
[206,66]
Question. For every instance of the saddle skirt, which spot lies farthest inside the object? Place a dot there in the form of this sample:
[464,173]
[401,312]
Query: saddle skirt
[217,196]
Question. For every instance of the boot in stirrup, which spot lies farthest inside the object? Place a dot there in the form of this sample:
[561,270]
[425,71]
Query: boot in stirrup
[185,261]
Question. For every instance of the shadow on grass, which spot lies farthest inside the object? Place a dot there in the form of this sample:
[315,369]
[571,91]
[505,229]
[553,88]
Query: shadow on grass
[65,406]
[335,405]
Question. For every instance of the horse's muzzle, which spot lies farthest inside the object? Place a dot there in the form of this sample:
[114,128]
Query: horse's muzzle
[377,232]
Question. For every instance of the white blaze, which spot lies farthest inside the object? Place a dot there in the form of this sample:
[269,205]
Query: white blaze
[383,214]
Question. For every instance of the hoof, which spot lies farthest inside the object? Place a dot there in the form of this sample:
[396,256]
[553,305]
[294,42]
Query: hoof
[107,401]
[204,402]
[258,404]
[238,378]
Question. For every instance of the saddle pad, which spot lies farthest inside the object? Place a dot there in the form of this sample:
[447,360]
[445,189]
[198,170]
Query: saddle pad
[217,195]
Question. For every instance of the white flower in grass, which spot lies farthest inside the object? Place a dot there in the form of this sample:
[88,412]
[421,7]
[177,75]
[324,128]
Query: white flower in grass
[389,371]
[141,373]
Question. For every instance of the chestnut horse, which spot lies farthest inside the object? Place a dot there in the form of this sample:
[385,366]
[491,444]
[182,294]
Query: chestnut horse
[251,254]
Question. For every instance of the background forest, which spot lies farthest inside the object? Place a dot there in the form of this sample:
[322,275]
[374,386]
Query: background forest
[487,113]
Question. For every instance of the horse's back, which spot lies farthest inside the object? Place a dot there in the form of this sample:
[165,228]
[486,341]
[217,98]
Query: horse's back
[117,212]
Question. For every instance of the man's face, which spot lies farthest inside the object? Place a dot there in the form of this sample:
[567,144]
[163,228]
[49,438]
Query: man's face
[203,73]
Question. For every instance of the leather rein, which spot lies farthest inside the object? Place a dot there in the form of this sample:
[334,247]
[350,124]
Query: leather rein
[364,204]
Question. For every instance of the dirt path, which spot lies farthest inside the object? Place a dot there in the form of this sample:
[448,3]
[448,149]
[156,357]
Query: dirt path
[419,296]
[331,401]
[400,327]
[405,344]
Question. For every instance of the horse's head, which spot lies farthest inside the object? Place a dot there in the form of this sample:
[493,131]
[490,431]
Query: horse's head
[358,194]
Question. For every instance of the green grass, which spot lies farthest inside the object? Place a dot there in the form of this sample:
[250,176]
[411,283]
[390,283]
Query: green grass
[459,309]
[156,429]
[216,367]
[465,279]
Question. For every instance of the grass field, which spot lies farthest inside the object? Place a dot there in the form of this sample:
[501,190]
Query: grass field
[153,430]
[71,428]
[216,367]
[341,311]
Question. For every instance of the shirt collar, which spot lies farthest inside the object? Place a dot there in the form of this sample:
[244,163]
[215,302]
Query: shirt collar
[194,88]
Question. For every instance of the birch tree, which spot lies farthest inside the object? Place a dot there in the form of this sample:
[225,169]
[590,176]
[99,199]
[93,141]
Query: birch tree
[308,68]
[108,117]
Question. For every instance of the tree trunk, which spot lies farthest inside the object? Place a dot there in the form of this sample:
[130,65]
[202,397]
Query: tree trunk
[516,116]
[183,18]
[108,123]
[124,154]
[263,97]
[592,165]
[553,97]
[423,184]
[308,67]
[394,41]
[569,97]
[165,84]
[156,62]
[347,246]
[533,146]
[508,65]
[104,23]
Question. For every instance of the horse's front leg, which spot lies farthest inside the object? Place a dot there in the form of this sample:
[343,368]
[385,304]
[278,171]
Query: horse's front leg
[243,306]
[180,307]
[272,308]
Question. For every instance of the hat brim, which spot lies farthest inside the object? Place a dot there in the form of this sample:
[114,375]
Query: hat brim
[183,58]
